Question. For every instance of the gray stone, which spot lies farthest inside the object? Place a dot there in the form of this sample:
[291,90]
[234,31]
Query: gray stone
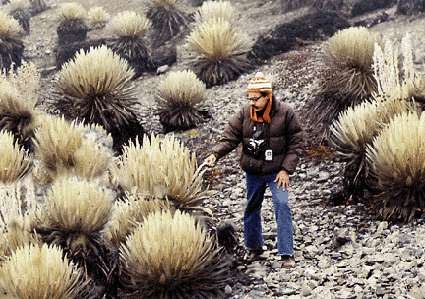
[162,69]
[228,290]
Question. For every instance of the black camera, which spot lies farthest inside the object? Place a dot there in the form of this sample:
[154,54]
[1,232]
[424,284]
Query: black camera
[256,145]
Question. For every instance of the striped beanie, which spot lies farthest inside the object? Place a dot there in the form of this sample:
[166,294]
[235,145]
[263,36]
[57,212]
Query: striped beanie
[260,84]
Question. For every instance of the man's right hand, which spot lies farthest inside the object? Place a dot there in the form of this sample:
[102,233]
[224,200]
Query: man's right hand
[210,160]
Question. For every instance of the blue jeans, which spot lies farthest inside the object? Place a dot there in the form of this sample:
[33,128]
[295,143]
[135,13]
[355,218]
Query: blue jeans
[253,232]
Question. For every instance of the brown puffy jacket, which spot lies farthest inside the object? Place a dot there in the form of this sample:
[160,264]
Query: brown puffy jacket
[286,138]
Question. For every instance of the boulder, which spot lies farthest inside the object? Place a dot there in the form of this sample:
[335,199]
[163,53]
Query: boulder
[285,36]
[364,6]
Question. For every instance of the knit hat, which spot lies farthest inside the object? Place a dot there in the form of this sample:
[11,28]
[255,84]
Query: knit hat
[260,84]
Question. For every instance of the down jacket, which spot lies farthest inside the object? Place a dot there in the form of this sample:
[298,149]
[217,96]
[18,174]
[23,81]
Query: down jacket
[285,140]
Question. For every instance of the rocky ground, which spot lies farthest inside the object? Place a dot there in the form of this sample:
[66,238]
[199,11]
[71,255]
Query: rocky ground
[341,252]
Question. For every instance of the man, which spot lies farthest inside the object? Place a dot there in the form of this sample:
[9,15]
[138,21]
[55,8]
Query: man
[271,136]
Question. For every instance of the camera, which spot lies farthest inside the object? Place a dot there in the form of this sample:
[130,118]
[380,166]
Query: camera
[256,145]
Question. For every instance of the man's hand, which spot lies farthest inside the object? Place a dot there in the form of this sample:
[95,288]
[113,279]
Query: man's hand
[282,180]
[210,160]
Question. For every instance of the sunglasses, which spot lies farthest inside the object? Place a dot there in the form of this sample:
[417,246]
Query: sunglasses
[255,99]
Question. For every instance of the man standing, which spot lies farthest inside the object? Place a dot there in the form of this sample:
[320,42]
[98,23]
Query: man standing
[272,139]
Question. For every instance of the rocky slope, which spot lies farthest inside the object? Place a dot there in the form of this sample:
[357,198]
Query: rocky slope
[341,252]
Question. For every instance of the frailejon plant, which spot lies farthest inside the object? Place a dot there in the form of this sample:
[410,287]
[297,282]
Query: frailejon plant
[14,165]
[348,78]
[181,260]
[130,28]
[180,95]
[162,168]
[354,130]
[11,46]
[39,272]
[19,10]
[128,214]
[62,151]
[210,10]
[17,115]
[75,214]
[220,52]
[72,26]
[97,87]
[167,20]
[97,17]
[396,161]
[395,72]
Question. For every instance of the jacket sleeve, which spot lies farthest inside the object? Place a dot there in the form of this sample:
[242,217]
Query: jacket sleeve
[294,141]
[231,137]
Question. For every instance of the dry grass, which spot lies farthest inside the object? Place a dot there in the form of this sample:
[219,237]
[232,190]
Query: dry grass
[396,158]
[72,11]
[127,215]
[75,205]
[40,272]
[163,167]
[9,27]
[180,257]
[14,161]
[218,40]
[98,17]
[26,80]
[211,10]
[130,24]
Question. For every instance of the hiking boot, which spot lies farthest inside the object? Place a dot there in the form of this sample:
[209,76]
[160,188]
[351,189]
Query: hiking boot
[254,255]
[287,261]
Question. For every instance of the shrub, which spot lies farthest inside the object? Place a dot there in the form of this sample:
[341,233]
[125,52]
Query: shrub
[17,115]
[181,260]
[11,47]
[211,10]
[130,28]
[354,130]
[348,78]
[179,96]
[220,52]
[129,214]
[37,272]
[98,17]
[74,216]
[63,152]
[163,167]
[96,86]
[72,26]
[18,9]
[167,20]
[396,158]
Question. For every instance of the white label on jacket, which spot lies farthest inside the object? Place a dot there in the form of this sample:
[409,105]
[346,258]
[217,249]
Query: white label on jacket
[269,155]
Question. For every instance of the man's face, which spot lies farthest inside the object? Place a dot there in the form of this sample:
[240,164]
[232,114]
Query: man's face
[257,100]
